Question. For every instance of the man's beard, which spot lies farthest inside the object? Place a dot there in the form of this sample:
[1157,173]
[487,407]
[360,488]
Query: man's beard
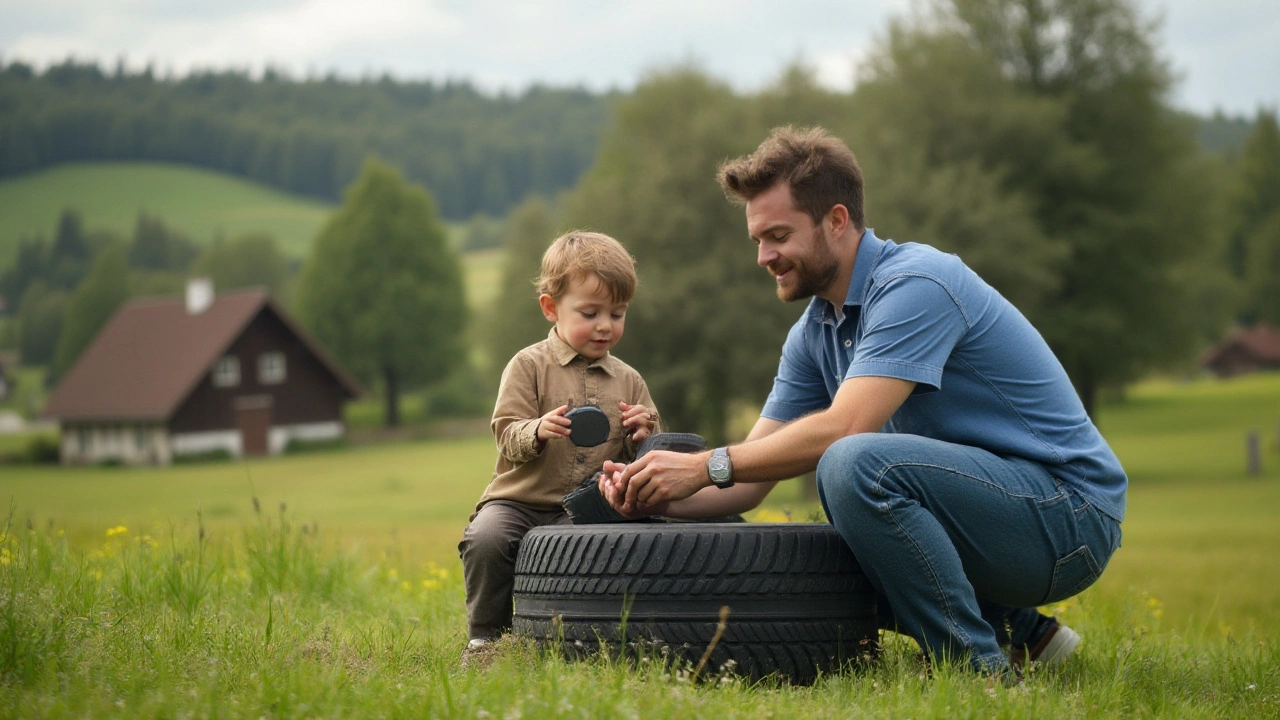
[815,275]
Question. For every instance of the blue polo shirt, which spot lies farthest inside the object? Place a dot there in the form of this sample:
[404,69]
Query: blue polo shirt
[984,376]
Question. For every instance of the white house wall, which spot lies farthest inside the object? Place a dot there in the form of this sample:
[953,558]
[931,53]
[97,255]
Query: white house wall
[205,442]
[131,444]
[280,435]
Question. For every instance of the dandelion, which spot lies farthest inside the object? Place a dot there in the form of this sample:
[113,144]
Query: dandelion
[431,584]
[771,516]
[436,571]
[5,557]
[393,574]
[405,585]
[117,530]
[1155,607]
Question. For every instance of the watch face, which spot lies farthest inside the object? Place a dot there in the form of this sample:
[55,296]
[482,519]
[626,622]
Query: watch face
[718,468]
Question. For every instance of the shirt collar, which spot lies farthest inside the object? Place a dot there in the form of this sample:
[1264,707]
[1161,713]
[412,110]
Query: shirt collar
[864,264]
[564,354]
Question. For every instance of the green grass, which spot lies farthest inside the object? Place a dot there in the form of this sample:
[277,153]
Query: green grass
[115,602]
[198,202]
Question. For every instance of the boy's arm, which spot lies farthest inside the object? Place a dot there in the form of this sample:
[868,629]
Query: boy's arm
[641,397]
[516,414]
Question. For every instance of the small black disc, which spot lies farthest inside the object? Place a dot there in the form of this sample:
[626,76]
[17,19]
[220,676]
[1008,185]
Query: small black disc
[590,426]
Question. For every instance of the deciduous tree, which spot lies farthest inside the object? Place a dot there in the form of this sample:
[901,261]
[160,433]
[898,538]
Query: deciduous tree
[383,290]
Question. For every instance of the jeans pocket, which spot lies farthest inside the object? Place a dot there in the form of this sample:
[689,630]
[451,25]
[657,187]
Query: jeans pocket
[1072,574]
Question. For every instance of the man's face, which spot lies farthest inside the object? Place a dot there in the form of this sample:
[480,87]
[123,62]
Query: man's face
[789,245]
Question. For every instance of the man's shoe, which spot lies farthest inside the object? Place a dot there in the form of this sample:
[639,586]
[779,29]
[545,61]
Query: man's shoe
[479,653]
[1054,646]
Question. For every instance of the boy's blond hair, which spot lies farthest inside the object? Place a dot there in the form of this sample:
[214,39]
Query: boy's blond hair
[578,254]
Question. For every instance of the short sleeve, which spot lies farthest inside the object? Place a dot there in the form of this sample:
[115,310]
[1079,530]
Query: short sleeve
[798,387]
[911,325]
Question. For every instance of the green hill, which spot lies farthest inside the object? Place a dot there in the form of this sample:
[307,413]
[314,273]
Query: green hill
[198,202]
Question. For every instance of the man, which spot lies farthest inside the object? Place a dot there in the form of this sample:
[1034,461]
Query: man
[952,453]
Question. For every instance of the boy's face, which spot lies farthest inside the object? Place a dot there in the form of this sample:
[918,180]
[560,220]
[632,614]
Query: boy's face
[586,317]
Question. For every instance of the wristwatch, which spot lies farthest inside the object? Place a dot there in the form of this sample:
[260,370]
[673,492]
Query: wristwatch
[720,469]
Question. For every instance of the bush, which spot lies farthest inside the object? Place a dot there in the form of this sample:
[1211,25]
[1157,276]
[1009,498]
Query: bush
[298,446]
[38,450]
[215,455]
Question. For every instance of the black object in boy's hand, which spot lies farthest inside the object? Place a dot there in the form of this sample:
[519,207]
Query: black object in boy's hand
[590,426]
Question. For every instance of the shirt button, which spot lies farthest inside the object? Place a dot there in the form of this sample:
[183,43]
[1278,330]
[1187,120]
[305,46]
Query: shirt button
[582,458]
[847,343]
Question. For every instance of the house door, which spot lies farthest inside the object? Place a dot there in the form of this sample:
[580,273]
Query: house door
[254,421]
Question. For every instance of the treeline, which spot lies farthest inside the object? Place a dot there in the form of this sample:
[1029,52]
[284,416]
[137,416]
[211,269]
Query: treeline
[475,153]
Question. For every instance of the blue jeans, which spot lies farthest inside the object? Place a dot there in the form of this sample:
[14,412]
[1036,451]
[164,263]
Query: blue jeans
[961,544]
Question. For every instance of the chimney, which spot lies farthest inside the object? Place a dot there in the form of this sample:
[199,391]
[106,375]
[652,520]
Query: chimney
[199,295]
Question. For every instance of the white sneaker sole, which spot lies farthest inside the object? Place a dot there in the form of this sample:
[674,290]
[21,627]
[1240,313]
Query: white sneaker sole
[1061,645]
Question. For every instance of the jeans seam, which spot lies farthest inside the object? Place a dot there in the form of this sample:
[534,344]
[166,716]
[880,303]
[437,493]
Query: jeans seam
[933,575]
[961,473]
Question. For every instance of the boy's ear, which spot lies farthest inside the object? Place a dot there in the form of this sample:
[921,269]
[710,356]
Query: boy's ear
[548,306]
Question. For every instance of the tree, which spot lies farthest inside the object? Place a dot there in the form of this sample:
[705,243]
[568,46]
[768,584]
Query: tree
[515,319]
[40,323]
[252,260]
[1255,210]
[94,301]
[1105,168]
[705,327]
[70,256]
[30,265]
[156,247]
[383,290]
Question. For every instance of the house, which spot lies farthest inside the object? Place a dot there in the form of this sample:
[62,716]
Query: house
[1245,350]
[167,377]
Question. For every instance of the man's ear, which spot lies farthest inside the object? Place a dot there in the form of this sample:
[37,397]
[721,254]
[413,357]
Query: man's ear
[548,306]
[838,216]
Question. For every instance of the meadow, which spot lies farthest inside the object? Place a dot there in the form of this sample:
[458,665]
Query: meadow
[201,203]
[327,584]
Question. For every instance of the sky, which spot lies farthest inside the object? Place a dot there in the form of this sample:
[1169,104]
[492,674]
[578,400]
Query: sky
[1226,54]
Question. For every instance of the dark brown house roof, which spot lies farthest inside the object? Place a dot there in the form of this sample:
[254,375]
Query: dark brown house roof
[152,352]
[1260,343]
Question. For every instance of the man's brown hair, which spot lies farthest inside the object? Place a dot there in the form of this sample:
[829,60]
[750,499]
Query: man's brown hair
[820,169]
[578,254]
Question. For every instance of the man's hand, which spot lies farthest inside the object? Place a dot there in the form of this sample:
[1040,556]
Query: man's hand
[659,478]
[638,419]
[553,425]
[614,491]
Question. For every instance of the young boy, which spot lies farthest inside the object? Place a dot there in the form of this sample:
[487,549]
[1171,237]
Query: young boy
[587,280]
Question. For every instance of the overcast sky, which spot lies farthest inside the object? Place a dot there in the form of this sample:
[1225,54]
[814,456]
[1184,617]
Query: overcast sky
[1227,53]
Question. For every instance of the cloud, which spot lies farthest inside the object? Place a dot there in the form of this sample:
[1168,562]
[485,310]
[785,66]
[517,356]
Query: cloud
[1227,53]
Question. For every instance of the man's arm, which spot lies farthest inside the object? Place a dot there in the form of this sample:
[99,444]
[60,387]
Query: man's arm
[862,404]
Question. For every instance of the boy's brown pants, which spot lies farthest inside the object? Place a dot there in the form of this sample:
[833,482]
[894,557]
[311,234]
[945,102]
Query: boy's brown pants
[488,550]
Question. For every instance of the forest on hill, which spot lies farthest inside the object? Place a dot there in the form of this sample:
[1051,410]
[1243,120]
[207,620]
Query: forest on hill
[476,153]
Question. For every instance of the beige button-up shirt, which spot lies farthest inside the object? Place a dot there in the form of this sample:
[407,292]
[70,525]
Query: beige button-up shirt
[539,379]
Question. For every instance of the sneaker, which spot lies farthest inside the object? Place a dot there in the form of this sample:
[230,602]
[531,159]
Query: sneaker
[1053,647]
[479,653]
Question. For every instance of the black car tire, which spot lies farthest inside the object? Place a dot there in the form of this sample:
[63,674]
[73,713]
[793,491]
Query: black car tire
[797,603]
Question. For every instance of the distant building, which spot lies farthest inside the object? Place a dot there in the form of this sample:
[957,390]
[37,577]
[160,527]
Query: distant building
[228,372]
[1244,351]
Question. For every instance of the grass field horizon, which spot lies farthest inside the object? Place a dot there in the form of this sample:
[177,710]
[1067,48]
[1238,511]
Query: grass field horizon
[185,584]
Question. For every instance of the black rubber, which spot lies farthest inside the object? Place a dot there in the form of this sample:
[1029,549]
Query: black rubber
[585,505]
[589,426]
[799,605]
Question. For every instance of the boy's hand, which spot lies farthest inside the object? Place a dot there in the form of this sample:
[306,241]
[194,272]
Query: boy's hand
[553,425]
[639,419]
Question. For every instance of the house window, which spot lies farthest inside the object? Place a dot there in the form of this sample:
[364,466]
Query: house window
[226,373]
[271,368]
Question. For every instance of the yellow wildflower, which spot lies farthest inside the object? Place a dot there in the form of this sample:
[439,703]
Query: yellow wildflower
[117,530]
